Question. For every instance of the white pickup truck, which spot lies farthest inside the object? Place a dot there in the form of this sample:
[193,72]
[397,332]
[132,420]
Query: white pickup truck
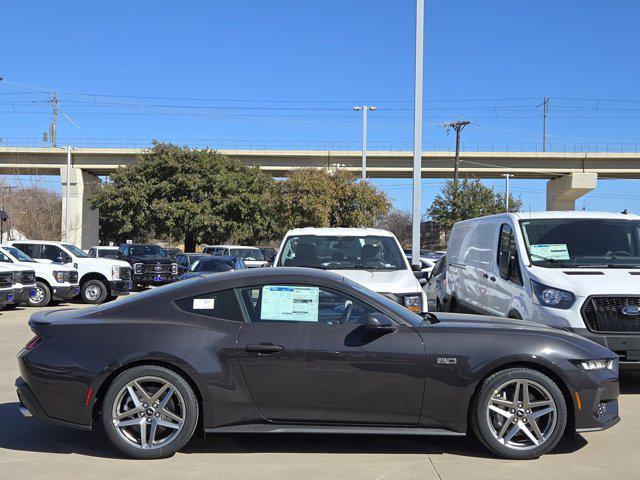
[52,282]
[100,278]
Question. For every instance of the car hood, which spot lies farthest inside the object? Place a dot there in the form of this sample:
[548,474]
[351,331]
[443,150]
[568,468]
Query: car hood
[502,325]
[106,262]
[382,281]
[151,259]
[583,282]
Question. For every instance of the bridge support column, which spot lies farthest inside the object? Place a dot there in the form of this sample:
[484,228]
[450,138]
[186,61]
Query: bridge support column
[83,220]
[562,192]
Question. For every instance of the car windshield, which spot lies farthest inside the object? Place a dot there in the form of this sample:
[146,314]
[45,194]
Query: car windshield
[107,253]
[589,242]
[18,254]
[211,265]
[370,252]
[147,251]
[75,250]
[247,253]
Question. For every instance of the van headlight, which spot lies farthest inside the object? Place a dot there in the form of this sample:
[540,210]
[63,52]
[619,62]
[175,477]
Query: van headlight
[552,297]
[413,303]
[592,365]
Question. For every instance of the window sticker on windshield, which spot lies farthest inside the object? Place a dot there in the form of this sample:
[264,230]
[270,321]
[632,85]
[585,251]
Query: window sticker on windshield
[298,304]
[551,251]
[204,303]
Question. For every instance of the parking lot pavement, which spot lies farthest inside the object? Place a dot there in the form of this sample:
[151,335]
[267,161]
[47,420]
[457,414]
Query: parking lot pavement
[32,449]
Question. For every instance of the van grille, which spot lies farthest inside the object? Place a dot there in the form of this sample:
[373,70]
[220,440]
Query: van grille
[605,314]
[6,279]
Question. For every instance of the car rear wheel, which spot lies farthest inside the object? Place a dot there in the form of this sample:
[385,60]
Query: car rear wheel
[94,291]
[519,413]
[42,296]
[149,412]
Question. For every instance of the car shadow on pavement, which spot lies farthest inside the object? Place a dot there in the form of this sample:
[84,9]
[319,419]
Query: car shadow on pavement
[29,434]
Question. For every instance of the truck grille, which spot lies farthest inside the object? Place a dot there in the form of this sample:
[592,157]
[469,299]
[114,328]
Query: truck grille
[154,268]
[72,276]
[6,279]
[607,314]
[26,277]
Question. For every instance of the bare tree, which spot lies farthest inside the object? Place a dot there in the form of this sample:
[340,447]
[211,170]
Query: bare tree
[399,223]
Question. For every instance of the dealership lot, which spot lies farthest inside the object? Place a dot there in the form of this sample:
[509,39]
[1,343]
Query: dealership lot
[29,448]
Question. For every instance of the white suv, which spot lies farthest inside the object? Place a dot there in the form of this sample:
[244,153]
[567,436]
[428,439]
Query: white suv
[52,282]
[368,256]
[100,278]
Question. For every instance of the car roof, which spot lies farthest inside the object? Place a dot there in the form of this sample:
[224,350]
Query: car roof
[222,258]
[105,247]
[567,215]
[272,274]
[192,254]
[230,246]
[340,232]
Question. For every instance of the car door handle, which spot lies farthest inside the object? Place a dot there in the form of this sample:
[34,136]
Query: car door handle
[485,275]
[493,279]
[264,348]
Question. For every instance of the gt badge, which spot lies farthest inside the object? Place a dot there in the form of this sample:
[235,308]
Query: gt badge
[447,361]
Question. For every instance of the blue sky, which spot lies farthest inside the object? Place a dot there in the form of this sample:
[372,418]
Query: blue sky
[286,70]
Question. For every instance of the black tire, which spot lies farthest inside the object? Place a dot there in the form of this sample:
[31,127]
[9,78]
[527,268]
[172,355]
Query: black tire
[43,295]
[484,431]
[10,306]
[190,412]
[94,291]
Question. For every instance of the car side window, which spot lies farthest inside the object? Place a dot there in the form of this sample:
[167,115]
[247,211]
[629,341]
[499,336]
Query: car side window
[4,258]
[303,304]
[222,304]
[53,253]
[31,249]
[507,255]
[92,252]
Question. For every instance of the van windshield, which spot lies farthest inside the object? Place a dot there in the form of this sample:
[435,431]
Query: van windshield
[368,252]
[586,243]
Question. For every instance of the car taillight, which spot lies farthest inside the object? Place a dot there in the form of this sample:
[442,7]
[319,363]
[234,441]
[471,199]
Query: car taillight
[33,343]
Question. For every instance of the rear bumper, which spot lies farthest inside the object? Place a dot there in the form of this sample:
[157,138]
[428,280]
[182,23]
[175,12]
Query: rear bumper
[120,287]
[65,293]
[29,406]
[626,345]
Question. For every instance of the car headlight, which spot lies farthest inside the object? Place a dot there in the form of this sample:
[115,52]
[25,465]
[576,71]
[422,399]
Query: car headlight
[413,303]
[59,276]
[174,268]
[552,297]
[115,272]
[591,365]
[137,267]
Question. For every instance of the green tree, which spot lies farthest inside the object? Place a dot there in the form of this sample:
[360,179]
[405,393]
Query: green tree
[178,192]
[472,199]
[322,198]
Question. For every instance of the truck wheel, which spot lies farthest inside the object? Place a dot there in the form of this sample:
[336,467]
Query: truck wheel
[519,413]
[42,296]
[94,291]
[10,306]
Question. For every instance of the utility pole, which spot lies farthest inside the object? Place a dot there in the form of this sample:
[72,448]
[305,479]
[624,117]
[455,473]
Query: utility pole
[67,195]
[506,194]
[53,126]
[364,109]
[458,127]
[545,110]
[417,133]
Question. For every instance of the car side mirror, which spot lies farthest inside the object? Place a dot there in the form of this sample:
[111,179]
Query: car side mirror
[416,267]
[379,322]
[423,281]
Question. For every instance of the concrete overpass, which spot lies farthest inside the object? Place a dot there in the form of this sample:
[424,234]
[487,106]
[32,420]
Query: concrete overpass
[570,175]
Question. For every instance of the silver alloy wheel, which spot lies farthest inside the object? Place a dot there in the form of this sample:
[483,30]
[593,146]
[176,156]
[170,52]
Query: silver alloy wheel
[38,297]
[148,412]
[521,414]
[93,292]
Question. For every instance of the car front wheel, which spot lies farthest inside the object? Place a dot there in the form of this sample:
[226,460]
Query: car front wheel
[42,296]
[94,292]
[149,412]
[519,413]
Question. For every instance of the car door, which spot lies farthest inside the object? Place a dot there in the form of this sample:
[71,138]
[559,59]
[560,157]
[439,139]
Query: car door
[503,286]
[307,357]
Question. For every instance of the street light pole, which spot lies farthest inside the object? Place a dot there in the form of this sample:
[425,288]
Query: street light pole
[417,133]
[364,109]
[506,194]
[67,195]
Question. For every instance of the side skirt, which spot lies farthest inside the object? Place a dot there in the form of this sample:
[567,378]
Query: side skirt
[332,429]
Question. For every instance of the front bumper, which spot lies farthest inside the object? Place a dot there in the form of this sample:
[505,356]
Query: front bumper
[66,292]
[148,279]
[120,287]
[626,345]
[23,294]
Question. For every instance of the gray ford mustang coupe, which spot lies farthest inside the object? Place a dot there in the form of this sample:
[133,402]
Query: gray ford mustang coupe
[301,350]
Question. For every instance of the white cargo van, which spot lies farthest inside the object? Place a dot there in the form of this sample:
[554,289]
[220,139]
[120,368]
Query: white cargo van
[368,256]
[577,271]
